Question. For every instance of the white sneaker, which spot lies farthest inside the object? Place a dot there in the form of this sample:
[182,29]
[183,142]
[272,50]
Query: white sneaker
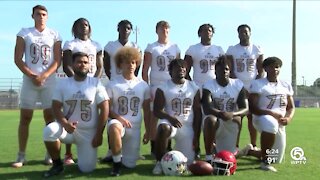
[267,167]
[141,157]
[68,159]
[20,160]
[245,150]
[157,170]
[47,159]
[255,148]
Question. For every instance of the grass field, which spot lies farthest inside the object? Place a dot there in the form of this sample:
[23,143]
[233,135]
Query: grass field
[302,132]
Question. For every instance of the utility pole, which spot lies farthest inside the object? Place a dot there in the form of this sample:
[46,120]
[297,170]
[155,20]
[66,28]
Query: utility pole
[293,67]
[136,31]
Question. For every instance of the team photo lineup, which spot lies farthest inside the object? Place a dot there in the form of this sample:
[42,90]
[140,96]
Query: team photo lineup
[177,100]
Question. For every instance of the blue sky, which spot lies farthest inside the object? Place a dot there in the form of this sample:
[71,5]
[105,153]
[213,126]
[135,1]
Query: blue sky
[270,21]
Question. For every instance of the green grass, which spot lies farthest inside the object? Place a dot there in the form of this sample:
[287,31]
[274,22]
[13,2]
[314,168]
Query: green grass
[302,132]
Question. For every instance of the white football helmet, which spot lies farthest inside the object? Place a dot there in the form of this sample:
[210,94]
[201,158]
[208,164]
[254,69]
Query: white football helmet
[174,163]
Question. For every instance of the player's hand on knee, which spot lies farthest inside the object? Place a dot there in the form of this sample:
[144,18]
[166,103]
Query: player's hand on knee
[70,126]
[226,115]
[175,122]
[276,115]
[126,123]
[284,121]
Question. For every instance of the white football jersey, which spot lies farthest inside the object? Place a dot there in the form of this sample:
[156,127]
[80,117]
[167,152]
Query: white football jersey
[162,54]
[89,47]
[179,100]
[204,59]
[39,53]
[112,48]
[245,61]
[224,98]
[80,100]
[127,98]
[272,95]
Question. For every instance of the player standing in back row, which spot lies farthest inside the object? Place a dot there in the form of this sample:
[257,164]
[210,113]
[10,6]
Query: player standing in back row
[42,49]
[157,56]
[202,57]
[246,64]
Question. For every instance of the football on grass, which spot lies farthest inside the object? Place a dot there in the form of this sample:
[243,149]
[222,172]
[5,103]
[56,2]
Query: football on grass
[200,168]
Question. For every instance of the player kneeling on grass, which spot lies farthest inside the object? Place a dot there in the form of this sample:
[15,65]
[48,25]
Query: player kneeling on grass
[128,95]
[224,102]
[177,105]
[80,105]
[272,105]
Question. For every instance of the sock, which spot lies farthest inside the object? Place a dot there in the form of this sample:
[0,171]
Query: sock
[208,157]
[57,162]
[116,158]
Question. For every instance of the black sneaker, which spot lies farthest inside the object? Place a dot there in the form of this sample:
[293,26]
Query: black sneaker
[116,169]
[107,159]
[54,170]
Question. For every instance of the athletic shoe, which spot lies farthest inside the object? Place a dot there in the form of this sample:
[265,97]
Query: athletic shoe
[157,170]
[107,159]
[245,150]
[116,169]
[20,160]
[68,160]
[255,148]
[47,159]
[141,157]
[267,167]
[54,170]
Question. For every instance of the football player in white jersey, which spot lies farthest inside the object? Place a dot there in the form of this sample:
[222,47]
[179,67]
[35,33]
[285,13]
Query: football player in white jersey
[128,96]
[224,101]
[82,42]
[157,56]
[41,47]
[246,64]
[111,48]
[177,105]
[272,105]
[110,67]
[202,56]
[81,31]
[80,105]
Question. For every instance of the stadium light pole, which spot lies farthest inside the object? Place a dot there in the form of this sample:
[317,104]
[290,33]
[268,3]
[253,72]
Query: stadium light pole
[293,67]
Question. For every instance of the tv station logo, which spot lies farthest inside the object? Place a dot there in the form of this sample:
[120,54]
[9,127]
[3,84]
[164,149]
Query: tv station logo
[297,155]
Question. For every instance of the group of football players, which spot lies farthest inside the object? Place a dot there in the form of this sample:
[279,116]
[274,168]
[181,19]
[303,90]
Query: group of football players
[225,87]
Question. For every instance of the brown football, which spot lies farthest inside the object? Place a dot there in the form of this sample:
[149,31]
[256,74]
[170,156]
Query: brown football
[200,168]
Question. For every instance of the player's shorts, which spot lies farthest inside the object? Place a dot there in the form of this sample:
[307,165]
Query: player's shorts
[130,144]
[31,94]
[183,139]
[265,123]
[226,136]
[87,155]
